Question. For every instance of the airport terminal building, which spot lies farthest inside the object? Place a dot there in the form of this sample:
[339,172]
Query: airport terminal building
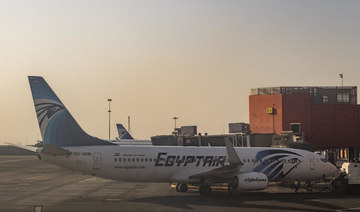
[312,118]
[327,117]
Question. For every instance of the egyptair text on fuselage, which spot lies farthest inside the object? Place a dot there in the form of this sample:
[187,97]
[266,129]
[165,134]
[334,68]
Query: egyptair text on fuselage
[163,159]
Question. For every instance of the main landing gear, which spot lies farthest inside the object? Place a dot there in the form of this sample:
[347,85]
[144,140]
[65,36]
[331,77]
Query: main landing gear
[205,190]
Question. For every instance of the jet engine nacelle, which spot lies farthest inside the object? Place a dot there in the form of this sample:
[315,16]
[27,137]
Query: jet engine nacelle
[251,181]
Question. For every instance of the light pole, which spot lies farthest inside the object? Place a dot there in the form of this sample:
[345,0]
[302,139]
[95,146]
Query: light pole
[175,118]
[109,100]
[342,87]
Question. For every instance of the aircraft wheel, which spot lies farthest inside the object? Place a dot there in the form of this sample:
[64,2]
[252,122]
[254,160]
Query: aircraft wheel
[177,187]
[183,187]
[205,190]
[230,189]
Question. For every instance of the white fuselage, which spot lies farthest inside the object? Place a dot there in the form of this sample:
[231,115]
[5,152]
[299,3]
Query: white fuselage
[176,164]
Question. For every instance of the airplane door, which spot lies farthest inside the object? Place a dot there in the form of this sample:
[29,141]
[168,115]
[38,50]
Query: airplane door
[97,161]
[312,162]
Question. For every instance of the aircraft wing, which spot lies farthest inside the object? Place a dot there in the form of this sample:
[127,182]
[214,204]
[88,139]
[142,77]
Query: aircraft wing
[225,172]
[30,148]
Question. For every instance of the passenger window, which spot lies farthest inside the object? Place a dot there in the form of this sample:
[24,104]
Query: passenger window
[137,159]
[133,159]
[146,160]
[128,159]
[142,159]
[119,159]
[252,160]
[150,159]
[115,159]
[244,160]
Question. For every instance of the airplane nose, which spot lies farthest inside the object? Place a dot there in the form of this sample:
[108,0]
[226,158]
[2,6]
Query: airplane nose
[331,169]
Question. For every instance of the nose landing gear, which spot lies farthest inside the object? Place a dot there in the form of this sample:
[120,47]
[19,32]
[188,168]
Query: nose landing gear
[181,187]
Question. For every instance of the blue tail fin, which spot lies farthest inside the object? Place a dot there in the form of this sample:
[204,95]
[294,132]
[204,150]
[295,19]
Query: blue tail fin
[123,133]
[56,124]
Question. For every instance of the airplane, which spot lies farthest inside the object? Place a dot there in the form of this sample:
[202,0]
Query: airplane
[126,139]
[241,168]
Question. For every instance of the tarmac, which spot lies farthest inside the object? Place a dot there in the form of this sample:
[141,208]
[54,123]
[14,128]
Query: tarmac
[26,183]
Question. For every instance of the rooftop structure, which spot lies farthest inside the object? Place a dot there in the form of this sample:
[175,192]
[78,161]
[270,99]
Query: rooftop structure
[319,95]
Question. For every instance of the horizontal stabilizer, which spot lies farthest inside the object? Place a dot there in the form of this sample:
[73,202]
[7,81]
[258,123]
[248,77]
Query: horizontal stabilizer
[30,148]
[52,149]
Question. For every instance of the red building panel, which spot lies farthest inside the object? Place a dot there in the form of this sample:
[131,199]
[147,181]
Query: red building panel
[323,136]
[335,126]
[325,125]
[297,109]
[322,114]
[260,120]
[346,114]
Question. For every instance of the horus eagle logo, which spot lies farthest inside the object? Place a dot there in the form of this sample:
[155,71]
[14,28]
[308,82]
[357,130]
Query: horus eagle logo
[273,163]
[45,110]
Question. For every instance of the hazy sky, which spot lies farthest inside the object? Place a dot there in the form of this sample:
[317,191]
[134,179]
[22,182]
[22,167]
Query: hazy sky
[196,60]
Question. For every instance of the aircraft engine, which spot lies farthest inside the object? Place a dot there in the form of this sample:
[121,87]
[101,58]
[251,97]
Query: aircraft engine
[250,181]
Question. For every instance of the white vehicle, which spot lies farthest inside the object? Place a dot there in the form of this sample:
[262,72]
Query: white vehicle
[243,168]
[352,170]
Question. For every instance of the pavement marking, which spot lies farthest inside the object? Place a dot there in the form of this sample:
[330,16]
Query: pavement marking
[349,209]
[113,200]
[8,161]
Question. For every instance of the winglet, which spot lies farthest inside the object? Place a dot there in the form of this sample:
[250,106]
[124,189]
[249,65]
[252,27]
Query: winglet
[233,158]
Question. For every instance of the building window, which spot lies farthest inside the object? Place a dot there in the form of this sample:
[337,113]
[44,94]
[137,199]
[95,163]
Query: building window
[325,99]
[343,97]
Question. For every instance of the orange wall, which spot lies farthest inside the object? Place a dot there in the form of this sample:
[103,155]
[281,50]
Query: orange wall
[260,120]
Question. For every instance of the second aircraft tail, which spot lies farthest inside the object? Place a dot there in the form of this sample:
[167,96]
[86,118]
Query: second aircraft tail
[123,133]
